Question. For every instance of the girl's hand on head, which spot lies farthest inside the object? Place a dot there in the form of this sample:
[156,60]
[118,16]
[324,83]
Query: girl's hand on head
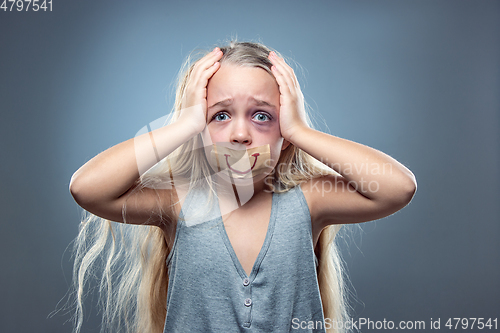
[292,110]
[194,101]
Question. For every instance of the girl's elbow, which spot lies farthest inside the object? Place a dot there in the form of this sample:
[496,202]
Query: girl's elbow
[399,192]
[407,188]
[78,190]
[74,188]
[411,187]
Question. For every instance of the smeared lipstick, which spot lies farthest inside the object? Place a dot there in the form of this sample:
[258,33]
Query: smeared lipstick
[242,172]
[242,167]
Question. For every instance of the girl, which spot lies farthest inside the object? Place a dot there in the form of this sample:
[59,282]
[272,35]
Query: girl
[237,214]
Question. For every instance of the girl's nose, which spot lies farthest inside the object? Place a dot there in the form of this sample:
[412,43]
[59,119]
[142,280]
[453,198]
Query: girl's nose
[240,133]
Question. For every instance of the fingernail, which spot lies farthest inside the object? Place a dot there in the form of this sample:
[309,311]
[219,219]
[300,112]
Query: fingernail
[215,50]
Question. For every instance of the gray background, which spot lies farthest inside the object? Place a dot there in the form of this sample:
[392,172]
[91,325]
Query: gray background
[418,80]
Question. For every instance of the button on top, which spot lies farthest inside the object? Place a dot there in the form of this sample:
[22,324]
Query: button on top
[248,302]
[246,281]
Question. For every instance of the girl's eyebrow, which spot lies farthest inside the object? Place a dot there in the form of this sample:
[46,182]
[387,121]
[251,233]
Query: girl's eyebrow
[260,102]
[224,103]
[229,101]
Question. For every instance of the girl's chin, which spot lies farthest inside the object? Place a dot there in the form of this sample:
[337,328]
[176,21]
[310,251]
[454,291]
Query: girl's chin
[248,181]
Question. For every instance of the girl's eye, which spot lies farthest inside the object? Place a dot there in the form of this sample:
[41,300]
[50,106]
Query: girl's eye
[262,117]
[220,117]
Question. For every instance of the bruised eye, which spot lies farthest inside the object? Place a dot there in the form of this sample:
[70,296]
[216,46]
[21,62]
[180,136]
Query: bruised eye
[262,117]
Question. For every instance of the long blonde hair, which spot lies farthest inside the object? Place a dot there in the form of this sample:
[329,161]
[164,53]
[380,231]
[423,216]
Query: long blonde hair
[130,260]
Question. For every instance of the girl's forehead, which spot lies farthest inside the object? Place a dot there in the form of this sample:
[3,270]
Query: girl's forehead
[232,81]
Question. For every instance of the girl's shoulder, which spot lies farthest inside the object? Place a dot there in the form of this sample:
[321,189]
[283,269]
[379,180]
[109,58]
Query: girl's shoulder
[316,191]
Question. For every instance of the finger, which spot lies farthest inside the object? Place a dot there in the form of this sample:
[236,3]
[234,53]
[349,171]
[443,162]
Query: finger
[207,61]
[282,83]
[207,74]
[285,69]
[205,68]
[289,73]
[198,85]
[286,85]
[210,66]
[281,63]
[285,66]
[287,76]
[201,72]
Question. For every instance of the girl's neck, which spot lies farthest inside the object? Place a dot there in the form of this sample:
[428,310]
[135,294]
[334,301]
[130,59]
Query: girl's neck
[246,192]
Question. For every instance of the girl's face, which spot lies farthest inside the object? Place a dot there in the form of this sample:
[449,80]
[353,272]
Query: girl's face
[243,109]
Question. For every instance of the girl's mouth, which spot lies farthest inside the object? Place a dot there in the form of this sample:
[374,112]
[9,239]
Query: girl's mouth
[242,172]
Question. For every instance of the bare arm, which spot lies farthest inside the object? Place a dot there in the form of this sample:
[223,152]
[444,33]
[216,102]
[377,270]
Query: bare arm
[102,185]
[372,184]
[105,183]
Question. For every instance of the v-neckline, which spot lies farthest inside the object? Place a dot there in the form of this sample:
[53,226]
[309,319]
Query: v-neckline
[265,245]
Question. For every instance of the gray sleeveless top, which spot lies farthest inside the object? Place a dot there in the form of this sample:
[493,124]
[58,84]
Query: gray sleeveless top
[209,291]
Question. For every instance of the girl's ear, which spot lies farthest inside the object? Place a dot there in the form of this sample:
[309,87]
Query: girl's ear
[285,144]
